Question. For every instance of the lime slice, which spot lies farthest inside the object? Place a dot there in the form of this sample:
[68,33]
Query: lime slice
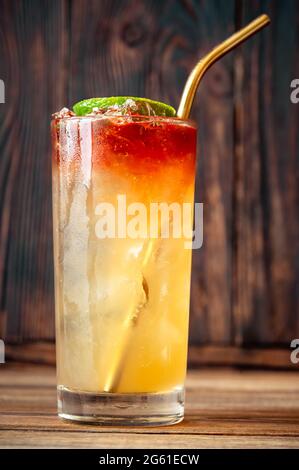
[144,105]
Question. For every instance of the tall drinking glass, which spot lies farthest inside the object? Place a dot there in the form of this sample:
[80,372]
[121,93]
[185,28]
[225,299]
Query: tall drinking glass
[122,278]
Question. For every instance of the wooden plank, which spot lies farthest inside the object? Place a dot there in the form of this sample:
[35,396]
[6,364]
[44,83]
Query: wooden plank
[266,168]
[33,56]
[205,426]
[17,439]
[264,358]
[224,408]
[20,374]
[38,352]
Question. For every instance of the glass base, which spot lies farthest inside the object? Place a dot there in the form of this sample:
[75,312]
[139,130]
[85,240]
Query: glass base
[135,409]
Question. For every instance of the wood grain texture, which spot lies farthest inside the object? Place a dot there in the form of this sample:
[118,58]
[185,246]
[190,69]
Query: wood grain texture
[211,294]
[266,180]
[223,409]
[32,49]
[245,278]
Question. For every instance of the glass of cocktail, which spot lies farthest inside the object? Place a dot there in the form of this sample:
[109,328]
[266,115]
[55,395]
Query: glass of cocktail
[122,286]
[122,275]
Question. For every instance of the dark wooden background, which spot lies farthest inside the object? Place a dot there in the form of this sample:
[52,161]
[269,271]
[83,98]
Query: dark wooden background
[245,290]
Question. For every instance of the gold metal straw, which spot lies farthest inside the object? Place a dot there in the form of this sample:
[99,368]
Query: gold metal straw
[116,368]
[118,361]
[205,63]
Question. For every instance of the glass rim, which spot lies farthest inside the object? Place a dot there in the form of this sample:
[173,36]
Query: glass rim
[134,117]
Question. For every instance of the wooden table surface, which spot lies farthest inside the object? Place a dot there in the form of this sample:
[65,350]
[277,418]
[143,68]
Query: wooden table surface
[224,408]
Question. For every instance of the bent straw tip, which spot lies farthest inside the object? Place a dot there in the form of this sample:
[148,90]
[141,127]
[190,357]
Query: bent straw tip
[261,21]
[265,17]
